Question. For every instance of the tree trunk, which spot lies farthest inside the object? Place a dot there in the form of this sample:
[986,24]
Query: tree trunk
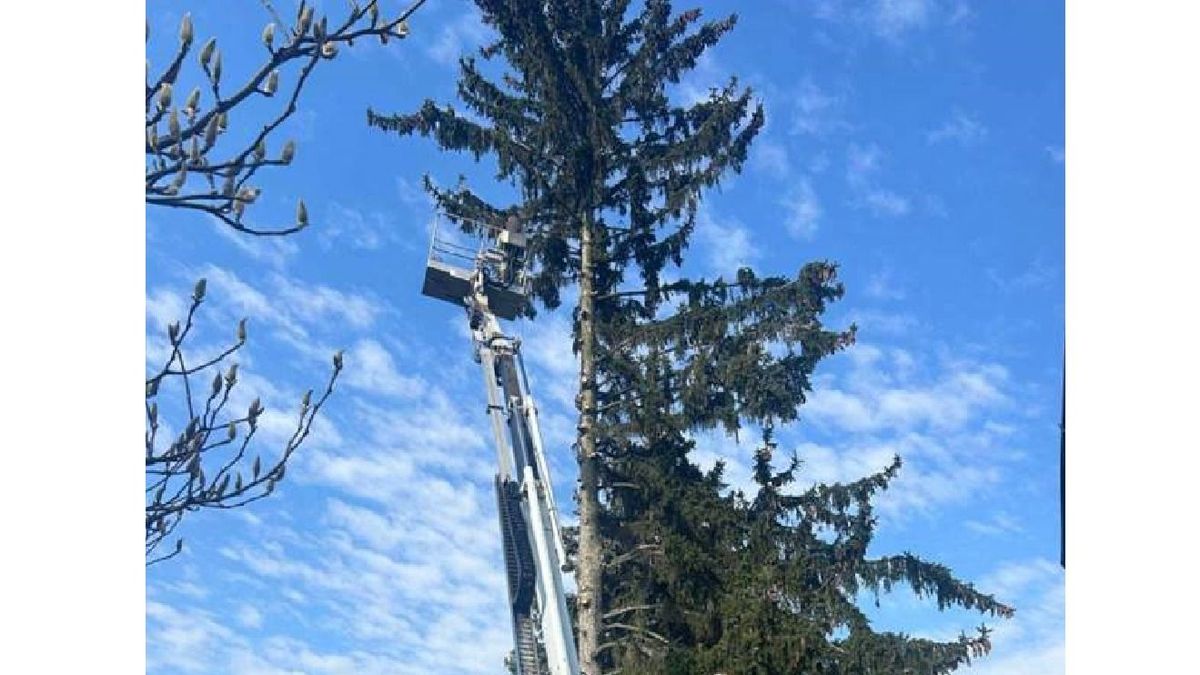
[588,572]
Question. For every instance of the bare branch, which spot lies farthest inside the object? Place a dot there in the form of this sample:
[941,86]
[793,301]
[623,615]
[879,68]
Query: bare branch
[205,466]
[181,170]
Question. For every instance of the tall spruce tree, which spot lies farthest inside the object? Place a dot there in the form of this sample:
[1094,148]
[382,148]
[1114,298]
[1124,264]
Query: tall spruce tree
[610,173]
[582,123]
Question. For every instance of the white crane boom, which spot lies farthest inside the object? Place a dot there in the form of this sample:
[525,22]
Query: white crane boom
[495,286]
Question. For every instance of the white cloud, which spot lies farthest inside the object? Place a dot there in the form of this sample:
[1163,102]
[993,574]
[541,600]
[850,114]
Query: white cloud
[803,209]
[315,303]
[876,323]
[249,617]
[886,203]
[771,158]
[1038,274]
[862,161]
[182,639]
[227,289]
[815,111]
[892,19]
[727,243]
[370,367]
[346,226]
[1046,659]
[546,346]
[457,37]
[1033,641]
[1012,579]
[294,306]
[164,307]
[962,128]
[999,524]
[886,404]
[882,286]
[934,474]
[862,164]
[413,195]
[414,570]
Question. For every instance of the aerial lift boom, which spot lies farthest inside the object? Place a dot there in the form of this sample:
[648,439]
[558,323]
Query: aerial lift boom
[495,285]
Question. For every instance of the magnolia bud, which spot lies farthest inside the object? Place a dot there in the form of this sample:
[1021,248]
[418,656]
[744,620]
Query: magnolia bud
[268,35]
[180,177]
[222,122]
[237,482]
[307,398]
[239,207]
[241,331]
[306,14]
[374,12]
[301,214]
[272,83]
[319,29]
[337,360]
[185,29]
[260,151]
[164,96]
[206,53]
[328,50]
[173,332]
[289,151]
[193,102]
[210,132]
[248,194]
[173,125]
[152,139]
[401,30]
[153,414]
[216,68]
[256,467]
[231,376]
[198,291]
[232,431]
[255,408]
[216,385]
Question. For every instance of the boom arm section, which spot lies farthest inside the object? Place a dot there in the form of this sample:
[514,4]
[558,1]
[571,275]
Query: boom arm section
[494,285]
[528,516]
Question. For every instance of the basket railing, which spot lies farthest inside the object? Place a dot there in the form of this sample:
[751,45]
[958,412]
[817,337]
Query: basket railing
[443,249]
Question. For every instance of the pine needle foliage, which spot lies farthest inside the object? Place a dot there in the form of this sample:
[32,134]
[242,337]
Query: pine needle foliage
[765,583]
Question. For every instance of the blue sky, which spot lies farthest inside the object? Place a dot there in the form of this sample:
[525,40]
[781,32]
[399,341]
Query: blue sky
[918,143]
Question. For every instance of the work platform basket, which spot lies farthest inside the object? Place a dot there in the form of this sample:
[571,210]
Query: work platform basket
[452,265]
